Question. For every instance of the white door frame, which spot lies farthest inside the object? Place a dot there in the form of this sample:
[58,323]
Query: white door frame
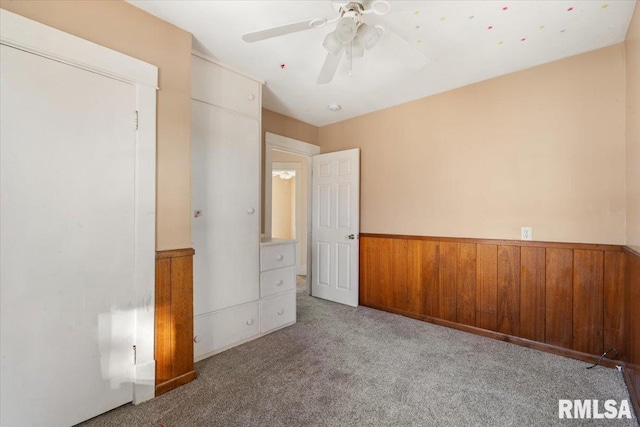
[36,38]
[289,145]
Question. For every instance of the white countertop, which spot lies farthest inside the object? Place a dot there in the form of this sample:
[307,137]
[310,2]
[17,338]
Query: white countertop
[271,242]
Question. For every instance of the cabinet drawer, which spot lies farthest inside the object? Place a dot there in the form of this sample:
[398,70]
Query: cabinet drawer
[225,327]
[278,280]
[277,256]
[277,310]
[225,88]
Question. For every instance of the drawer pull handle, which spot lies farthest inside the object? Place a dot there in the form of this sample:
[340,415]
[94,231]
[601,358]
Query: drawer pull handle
[250,322]
[279,257]
[279,283]
[196,339]
[281,312]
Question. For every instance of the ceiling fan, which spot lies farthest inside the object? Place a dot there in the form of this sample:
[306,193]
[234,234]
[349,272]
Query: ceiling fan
[351,37]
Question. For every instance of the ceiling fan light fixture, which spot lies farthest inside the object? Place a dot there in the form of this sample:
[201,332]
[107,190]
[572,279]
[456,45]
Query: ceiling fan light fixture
[356,48]
[332,44]
[370,34]
[346,29]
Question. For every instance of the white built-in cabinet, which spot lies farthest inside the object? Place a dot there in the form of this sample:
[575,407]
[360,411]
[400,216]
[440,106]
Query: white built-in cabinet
[229,307]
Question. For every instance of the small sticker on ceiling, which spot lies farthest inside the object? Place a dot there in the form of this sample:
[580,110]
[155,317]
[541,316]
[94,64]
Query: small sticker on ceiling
[570,9]
[283,66]
[418,41]
[604,6]
[542,27]
[500,42]
[471,17]
[417,12]
[417,27]
[443,18]
[490,27]
[504,9]
[524,39]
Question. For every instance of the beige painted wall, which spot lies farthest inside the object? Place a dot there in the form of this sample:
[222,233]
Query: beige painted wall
[283,196]
[286,126]
[632,48]
[302,180]
[127,29]
[543,147]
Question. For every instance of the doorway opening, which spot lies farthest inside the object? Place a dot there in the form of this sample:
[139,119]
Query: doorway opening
[288,164]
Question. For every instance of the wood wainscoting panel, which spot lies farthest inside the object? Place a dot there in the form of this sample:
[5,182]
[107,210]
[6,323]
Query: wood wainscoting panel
[559,297]
[487,288]
[588,301]
[631,325]
[376,268]
[613,300]
[174,319]
[368,257]
[416,285]
[429,275]
[163,329]
[448,269]
[398,286]
[632,307]
[466,284]
[532,293]
[509,290]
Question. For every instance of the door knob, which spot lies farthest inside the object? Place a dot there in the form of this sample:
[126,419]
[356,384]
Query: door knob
[351,237]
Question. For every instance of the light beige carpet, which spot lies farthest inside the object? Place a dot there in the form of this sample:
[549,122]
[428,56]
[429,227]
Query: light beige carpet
[340,366]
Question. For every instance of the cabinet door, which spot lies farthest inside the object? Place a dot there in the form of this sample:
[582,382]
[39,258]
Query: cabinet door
[226,190]
[217,85]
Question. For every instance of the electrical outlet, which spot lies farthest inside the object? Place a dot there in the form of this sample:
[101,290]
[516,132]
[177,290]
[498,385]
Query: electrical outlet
[527,233]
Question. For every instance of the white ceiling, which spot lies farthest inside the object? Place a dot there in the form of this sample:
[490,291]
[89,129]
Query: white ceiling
[432,46]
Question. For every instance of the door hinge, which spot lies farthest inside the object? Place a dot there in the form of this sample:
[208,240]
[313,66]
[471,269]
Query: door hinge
[136,120]
[135,355]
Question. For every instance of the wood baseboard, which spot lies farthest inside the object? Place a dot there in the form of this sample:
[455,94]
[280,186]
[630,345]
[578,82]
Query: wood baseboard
[560,351]
[632,380]
[175,382]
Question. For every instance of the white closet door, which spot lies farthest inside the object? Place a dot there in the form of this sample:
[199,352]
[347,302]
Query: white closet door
[67,171]
[225,188]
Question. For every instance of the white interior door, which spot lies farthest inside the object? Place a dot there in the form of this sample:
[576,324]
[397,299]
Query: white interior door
[67,149]
[336,224]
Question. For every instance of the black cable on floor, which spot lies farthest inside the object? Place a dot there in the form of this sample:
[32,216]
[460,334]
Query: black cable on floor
[605,355]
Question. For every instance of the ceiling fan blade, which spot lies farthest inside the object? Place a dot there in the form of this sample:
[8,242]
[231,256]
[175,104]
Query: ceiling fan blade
[284,29]
[330,67]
